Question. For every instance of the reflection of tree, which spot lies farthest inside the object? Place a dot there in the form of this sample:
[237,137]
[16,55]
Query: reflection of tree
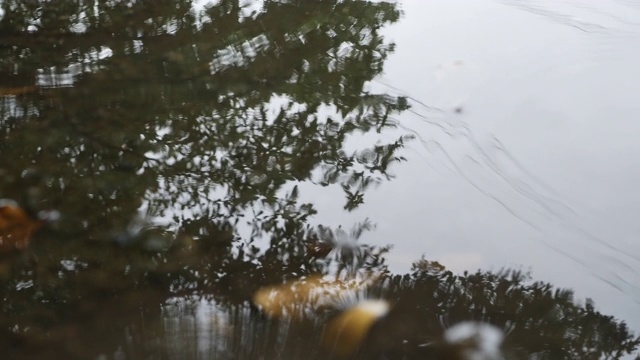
[197,96]
[109,107]
[539,321]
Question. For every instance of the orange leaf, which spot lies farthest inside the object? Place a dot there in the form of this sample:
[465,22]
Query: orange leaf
[16,228]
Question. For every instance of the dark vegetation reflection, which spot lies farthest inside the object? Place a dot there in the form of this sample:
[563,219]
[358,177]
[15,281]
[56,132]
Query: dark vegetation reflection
[158,132]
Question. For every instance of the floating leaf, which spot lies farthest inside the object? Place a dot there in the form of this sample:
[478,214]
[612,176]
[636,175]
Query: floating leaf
[345,333]
[16,228]
[308,294]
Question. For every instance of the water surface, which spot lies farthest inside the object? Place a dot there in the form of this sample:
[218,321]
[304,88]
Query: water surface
[176,157]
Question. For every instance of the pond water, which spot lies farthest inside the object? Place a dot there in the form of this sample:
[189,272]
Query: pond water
[164,163]
[538,169]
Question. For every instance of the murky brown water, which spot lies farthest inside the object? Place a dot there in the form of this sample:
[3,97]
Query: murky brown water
[161,162]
